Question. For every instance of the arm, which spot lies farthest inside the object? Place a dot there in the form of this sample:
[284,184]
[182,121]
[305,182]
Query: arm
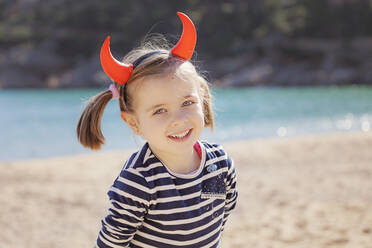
[231,190]
[129,200]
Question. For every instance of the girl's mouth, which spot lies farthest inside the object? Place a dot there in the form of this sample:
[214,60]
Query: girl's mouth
[180,136]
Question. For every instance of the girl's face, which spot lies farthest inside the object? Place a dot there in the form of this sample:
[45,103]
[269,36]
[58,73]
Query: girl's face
[168,113]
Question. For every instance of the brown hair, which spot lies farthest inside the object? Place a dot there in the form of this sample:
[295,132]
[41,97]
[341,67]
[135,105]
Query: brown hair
[163,63]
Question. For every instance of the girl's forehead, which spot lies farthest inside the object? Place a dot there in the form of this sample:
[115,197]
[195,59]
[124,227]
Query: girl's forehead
[169,84]
[163,89]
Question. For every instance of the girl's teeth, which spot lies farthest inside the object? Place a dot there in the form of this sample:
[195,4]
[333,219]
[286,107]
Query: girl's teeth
[180,135]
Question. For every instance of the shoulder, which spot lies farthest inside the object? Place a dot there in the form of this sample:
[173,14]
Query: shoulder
[213,150]
[131,183]
[216,153]
[134,165]
[144,164]
[138,159]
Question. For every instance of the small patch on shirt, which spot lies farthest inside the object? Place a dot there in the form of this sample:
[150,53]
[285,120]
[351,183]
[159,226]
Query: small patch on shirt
[212,196]
[214,187]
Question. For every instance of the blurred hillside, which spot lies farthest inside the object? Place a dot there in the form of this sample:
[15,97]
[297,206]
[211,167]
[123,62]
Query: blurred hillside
[56,43]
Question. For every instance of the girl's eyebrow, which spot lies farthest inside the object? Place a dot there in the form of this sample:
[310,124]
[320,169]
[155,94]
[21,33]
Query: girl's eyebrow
[188,96]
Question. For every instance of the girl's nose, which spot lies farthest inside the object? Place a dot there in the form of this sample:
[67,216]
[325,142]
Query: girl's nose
[179,119]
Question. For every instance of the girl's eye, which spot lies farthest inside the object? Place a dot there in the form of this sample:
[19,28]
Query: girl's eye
[187,103]
[159,111]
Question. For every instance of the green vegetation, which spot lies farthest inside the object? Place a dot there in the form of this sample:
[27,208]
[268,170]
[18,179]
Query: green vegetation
[77,27]
[55,43]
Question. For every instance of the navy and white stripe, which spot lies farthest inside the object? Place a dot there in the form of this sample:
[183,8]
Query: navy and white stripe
[153,207]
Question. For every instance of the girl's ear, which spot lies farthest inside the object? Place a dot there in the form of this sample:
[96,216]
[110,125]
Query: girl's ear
[131,120]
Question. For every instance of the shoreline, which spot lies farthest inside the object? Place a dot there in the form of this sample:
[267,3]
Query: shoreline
[303,191]
[99,153]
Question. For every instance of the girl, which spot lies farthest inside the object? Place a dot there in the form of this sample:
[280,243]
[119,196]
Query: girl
[176,191]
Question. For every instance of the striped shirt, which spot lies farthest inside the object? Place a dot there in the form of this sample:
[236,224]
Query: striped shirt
[152,206]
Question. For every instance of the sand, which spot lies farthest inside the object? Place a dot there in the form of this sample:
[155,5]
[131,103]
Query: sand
[312,191]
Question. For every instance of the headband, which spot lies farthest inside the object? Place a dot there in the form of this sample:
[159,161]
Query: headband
[120,72]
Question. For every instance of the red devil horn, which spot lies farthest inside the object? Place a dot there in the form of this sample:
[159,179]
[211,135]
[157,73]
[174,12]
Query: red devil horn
[186,45]
[116,70]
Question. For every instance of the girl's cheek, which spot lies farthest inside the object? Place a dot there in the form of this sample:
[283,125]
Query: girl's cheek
[196,114]
[195,107]
[161,118]
[199,109]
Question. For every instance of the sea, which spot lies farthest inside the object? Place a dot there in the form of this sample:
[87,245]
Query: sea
[41,123]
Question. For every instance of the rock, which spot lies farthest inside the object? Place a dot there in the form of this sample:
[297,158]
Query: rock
[24,66]
[272,61]
[341,76]
[85,74]
[255,75]
[15,77]
[290,75]
[224,66]
[41,59]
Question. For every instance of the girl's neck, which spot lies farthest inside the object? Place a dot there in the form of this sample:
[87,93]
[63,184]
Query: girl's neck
[181,163]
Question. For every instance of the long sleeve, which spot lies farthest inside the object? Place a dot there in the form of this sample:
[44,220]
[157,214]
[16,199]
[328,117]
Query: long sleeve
[231,190]
[129,201]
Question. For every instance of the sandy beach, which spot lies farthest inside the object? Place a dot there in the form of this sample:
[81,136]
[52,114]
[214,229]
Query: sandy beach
[311,191]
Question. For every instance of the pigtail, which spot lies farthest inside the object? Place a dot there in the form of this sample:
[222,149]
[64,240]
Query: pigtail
[89,126]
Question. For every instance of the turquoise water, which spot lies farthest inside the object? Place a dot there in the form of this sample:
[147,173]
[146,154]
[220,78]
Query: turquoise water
[41,123]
